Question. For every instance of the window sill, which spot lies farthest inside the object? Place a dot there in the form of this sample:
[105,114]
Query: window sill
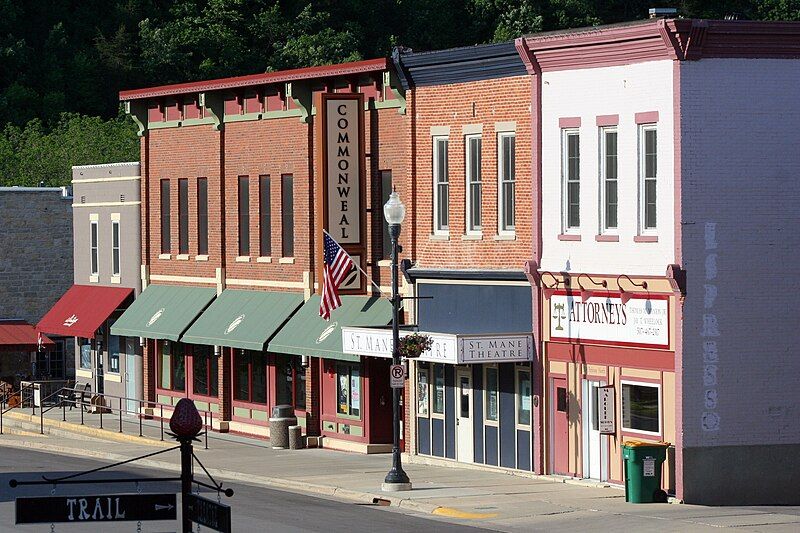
[645,238]
[606,238]
[286,260]
[115,280]
[385,263]
[182,257]
[472,237]
[201,258]
[243,259]
[165,256]
[505,237]
[112,377]
[439,236]
[569,237]
[94,278]
[83,373]
[264,259]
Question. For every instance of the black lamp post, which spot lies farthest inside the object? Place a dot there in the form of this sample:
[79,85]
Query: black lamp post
[395,212]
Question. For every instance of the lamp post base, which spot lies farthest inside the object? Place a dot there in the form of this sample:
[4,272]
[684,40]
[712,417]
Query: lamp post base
[395,487]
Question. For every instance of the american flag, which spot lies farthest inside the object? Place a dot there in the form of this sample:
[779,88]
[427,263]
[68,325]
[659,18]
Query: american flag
[336,268]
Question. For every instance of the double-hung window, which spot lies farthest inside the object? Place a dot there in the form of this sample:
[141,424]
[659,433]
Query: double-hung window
[287,215]
[244,216]
[570,172]
[506,201]
[648,171]
[386,190]
[608,180]
[115,268]
[165,218]
[265,217]
[183,216]
[474,183]
[94,259]
[441,186]
[202,216]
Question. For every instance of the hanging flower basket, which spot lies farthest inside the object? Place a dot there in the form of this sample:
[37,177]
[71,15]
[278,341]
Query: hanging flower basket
[412,346]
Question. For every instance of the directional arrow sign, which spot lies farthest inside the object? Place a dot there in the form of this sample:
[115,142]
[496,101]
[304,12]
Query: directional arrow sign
[104,508]
[208,513]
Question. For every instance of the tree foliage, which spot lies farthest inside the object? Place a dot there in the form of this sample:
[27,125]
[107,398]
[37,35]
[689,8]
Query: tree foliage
[73,56]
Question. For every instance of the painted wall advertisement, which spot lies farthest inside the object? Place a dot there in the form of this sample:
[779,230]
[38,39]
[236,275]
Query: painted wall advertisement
[607,320]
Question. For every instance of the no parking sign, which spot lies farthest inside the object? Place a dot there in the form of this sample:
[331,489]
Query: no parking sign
[397,376]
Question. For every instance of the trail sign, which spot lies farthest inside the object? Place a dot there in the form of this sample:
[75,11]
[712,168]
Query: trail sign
[397,376]
[209,513]
[102,508]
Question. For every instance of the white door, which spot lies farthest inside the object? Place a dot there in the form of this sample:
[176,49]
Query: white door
[595,452]
[464,434]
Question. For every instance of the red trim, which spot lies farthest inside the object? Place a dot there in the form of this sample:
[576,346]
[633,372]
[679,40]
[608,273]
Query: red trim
[569,122]
[606,238]
[614,294]
[82,310]
[645,238]
[607,120]
[18,335]
[616,356]
[568,237]
[647,117]
[341,69]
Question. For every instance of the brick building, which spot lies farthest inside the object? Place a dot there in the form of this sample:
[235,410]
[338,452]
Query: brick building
[659,150]
[35,267]
[235,194]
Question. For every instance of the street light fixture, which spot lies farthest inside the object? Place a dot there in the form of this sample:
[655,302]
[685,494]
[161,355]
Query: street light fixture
[395,212]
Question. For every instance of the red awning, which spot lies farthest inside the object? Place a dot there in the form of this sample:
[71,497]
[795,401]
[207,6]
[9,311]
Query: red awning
[82,310]
[19,336]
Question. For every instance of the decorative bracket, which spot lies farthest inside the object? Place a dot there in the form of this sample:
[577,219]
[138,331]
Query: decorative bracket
[213,107]
[300,96]
[138,112]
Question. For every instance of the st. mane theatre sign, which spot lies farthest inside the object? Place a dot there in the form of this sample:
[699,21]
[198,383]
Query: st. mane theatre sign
[447,348]
[642,321]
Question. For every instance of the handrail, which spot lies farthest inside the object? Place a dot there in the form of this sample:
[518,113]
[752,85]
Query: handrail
[5,398]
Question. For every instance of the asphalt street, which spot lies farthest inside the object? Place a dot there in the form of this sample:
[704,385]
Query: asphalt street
[253,508]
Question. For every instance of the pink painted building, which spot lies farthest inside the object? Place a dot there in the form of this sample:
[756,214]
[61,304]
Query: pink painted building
[664,257]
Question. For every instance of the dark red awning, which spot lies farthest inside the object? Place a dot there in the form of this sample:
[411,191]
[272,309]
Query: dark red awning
[82,310]
[19,336]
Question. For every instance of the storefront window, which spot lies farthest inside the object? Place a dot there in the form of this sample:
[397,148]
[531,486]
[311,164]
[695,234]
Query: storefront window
[173,369]
[291,382]
[348,389]
[251,376]
[640,407]
[523,397]
[86,354]
[490,389]
[114,343]
[422,391]
[438,387]
[205,378]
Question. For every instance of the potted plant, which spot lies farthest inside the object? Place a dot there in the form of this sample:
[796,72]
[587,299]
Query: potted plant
[412,346]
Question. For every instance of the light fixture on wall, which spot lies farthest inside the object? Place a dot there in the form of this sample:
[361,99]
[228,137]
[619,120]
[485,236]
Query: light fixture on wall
[624,295]
[142,342]
[549,290]
[587,293]
[304,361]
[217,351]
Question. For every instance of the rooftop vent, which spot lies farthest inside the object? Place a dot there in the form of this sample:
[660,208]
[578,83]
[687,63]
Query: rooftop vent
[662,12]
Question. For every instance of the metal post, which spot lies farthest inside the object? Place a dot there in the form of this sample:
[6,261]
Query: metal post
[41,421]
[63,408]
[102,408]
[81,400]
[2,410]
[205,415]
[396,478]
[140,418]
[120,415]
[162,421]
[186,481]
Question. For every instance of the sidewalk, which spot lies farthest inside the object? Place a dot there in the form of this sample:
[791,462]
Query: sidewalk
[493,500]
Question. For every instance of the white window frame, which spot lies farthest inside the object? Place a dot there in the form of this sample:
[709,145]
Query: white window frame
[437,229]
[643,128]
[604,229]
[486,420]
[502,229]
[517,394]
[470,229]
[116,249]
[94,248]
[622,407]
[565,227]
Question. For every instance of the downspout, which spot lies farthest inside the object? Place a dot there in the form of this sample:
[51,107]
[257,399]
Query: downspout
[531,267]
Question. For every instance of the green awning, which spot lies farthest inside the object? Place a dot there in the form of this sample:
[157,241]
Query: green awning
[307,333]
[163,312]
[243,319]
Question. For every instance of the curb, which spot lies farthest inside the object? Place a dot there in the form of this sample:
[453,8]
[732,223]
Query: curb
[105,434]
[270,482]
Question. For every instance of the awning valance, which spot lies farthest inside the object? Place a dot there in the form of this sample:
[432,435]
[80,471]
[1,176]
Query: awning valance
[82,310]
[308,334]
[243,319]
[163,312]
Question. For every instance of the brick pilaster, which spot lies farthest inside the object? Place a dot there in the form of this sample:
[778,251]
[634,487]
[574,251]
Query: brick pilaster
[313,397]
[224,384]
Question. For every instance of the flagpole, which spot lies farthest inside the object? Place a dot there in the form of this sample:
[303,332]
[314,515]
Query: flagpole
[356,264]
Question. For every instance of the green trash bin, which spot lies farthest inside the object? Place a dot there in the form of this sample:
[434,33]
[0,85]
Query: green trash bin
[643,465]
